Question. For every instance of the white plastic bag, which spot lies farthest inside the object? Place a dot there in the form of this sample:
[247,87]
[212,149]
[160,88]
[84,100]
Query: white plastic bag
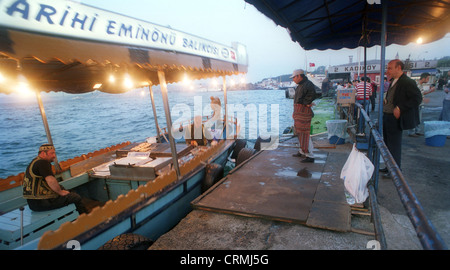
[356,173]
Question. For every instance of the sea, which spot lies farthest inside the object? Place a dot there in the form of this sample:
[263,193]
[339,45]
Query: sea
[84,123]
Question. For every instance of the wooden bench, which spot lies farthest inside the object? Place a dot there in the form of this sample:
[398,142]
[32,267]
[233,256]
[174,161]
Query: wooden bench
[34,224]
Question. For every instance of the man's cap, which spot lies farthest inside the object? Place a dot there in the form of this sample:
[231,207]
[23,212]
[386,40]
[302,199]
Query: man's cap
[215,100]
[46,147]
[297,72]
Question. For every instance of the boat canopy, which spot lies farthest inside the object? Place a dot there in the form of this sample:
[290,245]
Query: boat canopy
[74,48]
[337,24]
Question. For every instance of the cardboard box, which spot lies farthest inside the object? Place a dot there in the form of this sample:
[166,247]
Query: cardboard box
[346,96]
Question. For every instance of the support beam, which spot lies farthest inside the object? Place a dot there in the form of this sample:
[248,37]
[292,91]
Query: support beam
[173,148]
[47,129]
[226,102]
[154,112]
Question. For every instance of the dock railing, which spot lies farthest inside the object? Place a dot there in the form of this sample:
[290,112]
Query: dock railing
[426,232]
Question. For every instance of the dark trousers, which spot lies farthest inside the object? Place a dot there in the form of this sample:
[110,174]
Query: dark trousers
[362,121]
[372,100]
[60,201]
[392,135]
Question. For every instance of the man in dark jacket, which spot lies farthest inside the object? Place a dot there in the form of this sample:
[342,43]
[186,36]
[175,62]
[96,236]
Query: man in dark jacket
[400,110]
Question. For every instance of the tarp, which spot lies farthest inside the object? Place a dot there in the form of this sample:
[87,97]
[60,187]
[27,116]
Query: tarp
[337,24]
[66,46]
[418,72]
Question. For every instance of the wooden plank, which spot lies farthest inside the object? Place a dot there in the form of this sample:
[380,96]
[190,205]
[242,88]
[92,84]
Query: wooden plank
[268,186]
[330,216]
[323,144]
[163,150]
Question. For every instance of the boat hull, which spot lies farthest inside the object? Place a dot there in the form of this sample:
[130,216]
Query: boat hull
[154,216]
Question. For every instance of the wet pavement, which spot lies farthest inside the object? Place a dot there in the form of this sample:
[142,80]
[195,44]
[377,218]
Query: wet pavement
[425,168]
[276,186]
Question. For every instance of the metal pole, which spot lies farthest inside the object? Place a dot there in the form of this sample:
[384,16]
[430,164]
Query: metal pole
[365,69]
[381,96]
[173,148]
[382,65]
[154,111]
[21,225]
[378,226]
[47,129]
[427,234]
[225,101]
[362,123]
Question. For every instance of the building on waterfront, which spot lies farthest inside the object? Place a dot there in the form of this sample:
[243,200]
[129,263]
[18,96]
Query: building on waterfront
[352,71]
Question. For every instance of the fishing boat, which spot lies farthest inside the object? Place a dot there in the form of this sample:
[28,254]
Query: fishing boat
[142,188]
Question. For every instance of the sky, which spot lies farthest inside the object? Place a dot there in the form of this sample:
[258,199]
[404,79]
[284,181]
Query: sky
[271,51]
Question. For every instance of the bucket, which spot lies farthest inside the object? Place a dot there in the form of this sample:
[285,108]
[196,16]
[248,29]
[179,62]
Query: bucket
[436,140]
[436,132]
[336,140]
[336,131]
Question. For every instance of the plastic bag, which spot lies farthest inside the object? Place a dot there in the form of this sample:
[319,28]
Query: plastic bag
[356,173]
[337,128]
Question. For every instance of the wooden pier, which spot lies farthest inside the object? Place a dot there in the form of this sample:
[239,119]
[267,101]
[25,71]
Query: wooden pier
[274,185]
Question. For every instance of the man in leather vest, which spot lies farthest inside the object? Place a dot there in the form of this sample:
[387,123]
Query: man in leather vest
[41,188]
[400,110]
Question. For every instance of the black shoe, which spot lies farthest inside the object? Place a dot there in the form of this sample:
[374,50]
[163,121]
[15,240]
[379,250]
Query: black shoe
[387,175]
[308,160]
[297,155]
[384,170]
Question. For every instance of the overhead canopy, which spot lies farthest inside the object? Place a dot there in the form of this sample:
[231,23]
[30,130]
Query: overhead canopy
[337,24]
[69,47]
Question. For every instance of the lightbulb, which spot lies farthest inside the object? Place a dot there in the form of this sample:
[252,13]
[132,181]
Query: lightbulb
[419,40]
[186,80]
[127,82]
[23,88]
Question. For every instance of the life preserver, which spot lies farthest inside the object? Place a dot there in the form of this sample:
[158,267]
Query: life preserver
[244,154]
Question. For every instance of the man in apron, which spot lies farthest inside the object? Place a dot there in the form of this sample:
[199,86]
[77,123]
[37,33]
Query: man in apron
[305,94]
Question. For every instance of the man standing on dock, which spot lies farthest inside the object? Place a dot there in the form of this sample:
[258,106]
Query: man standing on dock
[303,98]
[401,109]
